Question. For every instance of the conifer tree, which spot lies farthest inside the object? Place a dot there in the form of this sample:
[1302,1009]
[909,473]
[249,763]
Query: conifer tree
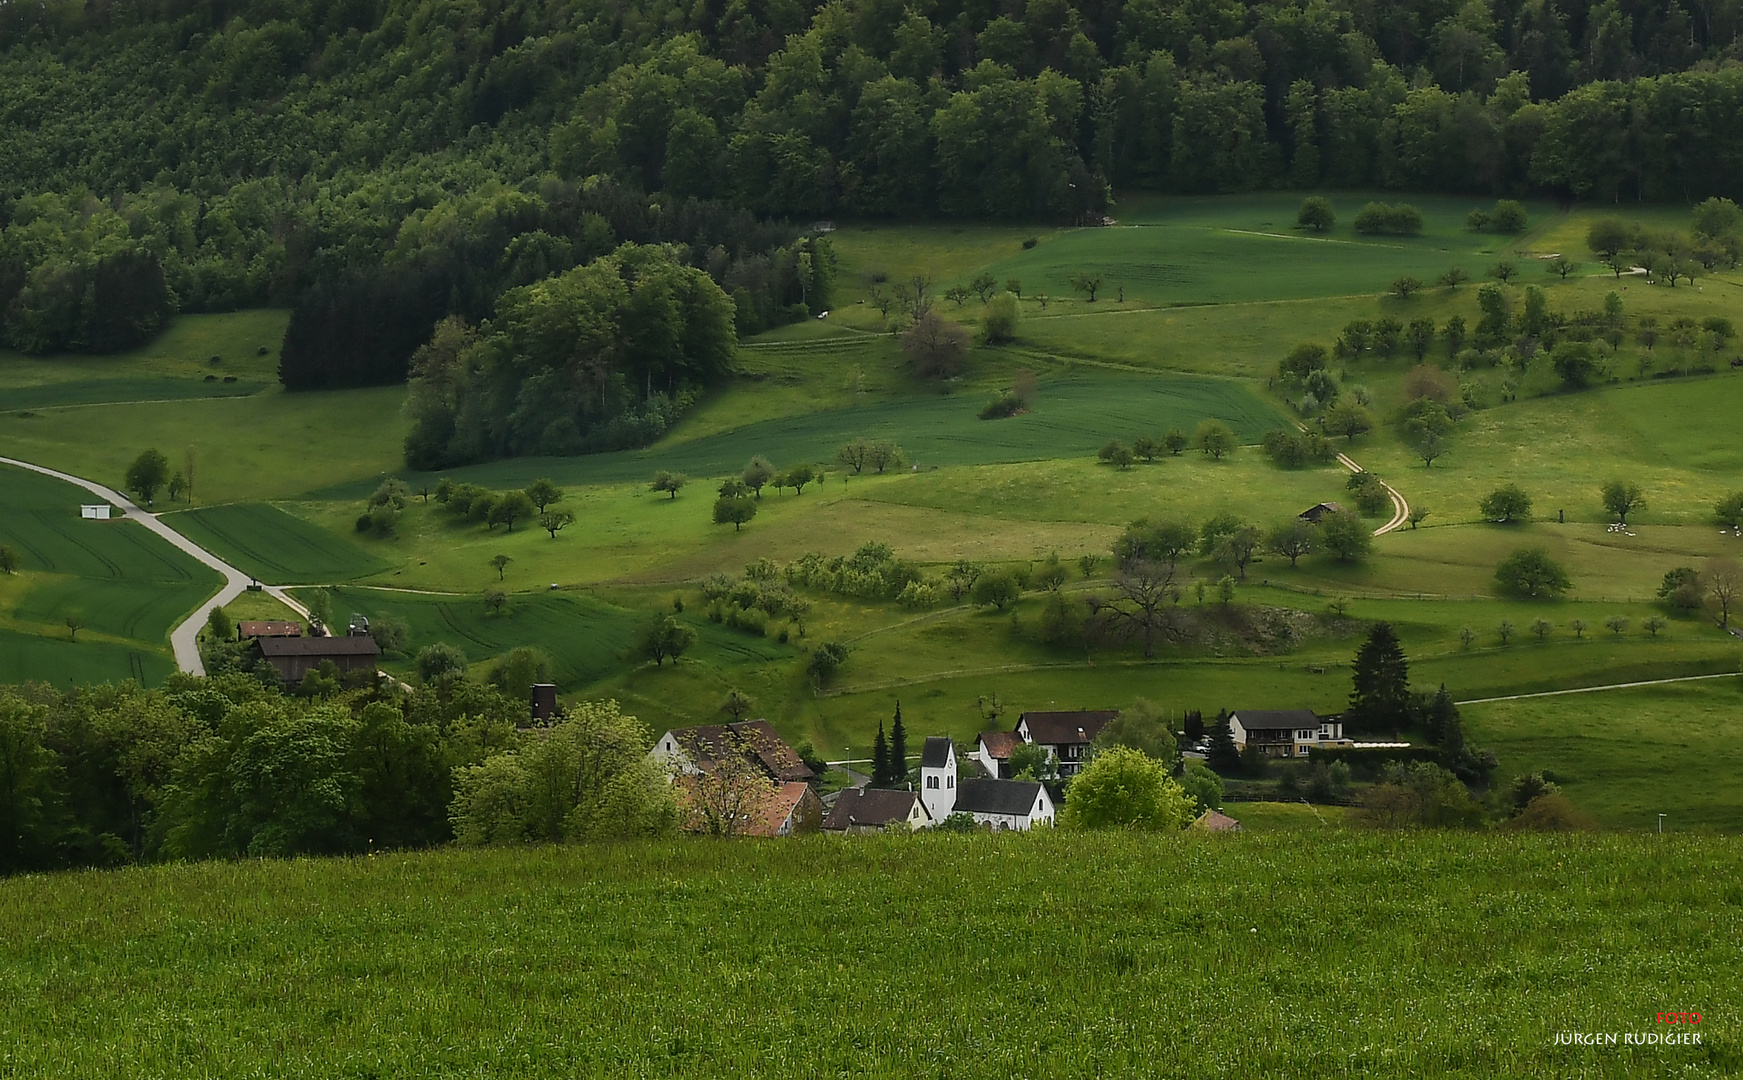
[880,771]
[898,750]
[1380,697]
[1222,753]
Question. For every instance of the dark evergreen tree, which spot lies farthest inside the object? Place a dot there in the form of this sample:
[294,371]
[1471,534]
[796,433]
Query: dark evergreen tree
[1222,754]
[898,750]
[880,771]
[1440,721]
[1380,698]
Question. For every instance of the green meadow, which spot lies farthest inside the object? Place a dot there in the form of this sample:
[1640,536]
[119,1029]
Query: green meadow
[125,587]
[1216,291]
[1044,954]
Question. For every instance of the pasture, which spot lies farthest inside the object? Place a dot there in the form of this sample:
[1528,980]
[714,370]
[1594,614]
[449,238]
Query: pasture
[887,957]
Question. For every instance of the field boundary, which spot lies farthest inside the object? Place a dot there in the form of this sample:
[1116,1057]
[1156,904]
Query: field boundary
[1595,689]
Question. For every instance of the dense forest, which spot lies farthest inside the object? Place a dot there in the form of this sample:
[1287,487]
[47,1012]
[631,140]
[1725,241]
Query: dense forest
[382,164]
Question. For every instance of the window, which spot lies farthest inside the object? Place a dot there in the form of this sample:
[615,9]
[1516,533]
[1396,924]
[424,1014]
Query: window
[931,781]
[952,782]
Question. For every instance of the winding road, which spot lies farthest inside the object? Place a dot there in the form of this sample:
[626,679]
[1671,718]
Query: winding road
[184,638]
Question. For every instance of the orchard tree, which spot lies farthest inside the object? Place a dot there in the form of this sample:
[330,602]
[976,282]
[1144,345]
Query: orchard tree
[797,477]
[8,559]
[1087,283]
[500,563]
[1622,498]
[1315,214]
[1505,505]
[543,493]
[1724,580]
[855,454]
[147,475]
[1215,439]
[757,474]
[1531,572]
[735,510]
[1292,539]
[1345,536]
[555,521]
[668,482]
[664,638]
[512,507]
[1348,419]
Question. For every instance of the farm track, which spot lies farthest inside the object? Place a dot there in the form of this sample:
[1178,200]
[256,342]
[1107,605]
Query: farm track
[184,639]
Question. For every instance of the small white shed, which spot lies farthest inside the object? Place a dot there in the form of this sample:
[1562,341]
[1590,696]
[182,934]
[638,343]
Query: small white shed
[98,512]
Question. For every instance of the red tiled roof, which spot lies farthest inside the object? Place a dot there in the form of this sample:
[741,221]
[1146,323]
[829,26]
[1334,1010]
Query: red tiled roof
[1000,743]
[767,819]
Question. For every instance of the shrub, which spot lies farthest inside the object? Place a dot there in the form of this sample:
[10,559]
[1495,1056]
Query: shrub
[1385,219]
[998,323]
[1006,404]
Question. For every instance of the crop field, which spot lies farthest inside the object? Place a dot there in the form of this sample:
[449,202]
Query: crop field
[1125,954]
[274,546]
[124,586]
[586,639]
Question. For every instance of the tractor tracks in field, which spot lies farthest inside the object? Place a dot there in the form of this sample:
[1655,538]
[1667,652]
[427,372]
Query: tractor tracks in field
[184,639]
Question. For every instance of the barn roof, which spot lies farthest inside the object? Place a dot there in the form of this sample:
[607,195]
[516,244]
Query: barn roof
[756,739]
[1013,797]
[361,645]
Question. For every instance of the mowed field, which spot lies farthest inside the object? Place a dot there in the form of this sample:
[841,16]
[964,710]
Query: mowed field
[1367,954]
[274,546]
[124,586]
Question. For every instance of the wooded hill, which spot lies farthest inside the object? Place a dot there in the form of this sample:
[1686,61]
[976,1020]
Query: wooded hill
[256,149]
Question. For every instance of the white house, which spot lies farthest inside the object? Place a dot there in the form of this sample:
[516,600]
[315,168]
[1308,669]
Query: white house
[1284,733]
[938,776]
[993,751]
[95,512]
[1066,735]
[1005,804]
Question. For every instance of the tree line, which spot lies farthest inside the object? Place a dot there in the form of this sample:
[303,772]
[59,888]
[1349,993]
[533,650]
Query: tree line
[407,160]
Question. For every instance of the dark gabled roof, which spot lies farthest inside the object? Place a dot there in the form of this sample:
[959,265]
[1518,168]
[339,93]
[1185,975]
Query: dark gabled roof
[936,754]
[1319,510]
[1275,719]
[756,739]
[1014,797]
[1064,728]
[999,744]
[317,646]
[870,807]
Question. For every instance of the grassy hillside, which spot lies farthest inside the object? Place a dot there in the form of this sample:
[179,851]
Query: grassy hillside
[1311,953]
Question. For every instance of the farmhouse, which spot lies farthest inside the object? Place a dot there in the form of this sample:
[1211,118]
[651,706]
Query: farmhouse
[1282,733]
[862,810]
[295,657]
[1002,804]
[993,751]
[695,750]
[265,628]
[1066,735]
[1318,510]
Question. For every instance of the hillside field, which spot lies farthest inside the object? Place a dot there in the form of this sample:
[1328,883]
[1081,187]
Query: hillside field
[1311,952]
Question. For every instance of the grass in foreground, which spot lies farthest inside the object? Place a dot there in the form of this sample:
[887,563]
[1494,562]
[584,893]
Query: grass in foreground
[1311,955]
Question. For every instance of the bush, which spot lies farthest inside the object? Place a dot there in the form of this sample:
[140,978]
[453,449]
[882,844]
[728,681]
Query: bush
[998,323]
[1121,788]
[1006,404]
[1385,219]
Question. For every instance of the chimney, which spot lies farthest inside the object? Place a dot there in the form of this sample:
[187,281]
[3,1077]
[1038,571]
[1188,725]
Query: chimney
[544,702]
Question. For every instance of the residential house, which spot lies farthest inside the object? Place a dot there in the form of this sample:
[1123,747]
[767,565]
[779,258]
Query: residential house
[993,751]
[1285,733]
[295,657]
[1066,735]
[866,809]
[695,750]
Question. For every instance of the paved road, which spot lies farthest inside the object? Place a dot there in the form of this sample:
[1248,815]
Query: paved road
[183,639]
